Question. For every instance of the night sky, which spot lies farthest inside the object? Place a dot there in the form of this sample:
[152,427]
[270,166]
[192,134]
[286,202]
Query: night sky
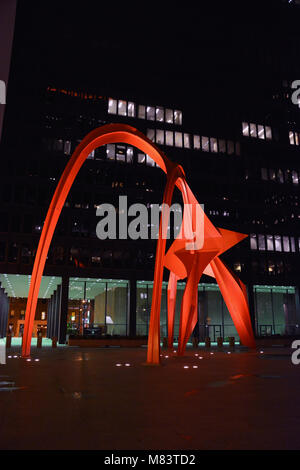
[210,59]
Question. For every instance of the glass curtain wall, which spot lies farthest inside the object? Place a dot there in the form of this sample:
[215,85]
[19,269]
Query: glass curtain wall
[98,306]
[214,319]
[275,310]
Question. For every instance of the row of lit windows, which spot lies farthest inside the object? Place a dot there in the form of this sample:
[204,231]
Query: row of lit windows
[294,138]
[258,131]
[280,176]
[124,153]
[151,113]
[196,142]
[273,243]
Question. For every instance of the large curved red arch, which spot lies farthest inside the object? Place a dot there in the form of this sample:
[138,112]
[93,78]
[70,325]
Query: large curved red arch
[216,241]
[107,134]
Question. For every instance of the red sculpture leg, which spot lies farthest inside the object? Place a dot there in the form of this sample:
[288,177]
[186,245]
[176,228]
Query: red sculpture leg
[189,306]
[235,297]
[107,134]
[172,288]
[153,353]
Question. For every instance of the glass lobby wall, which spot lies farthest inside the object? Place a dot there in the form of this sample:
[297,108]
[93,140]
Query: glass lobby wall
[97,306]
[143,308]
[275,310]
[214,319]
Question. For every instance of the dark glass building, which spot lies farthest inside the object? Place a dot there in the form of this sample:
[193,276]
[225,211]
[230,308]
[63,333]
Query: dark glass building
[238,143]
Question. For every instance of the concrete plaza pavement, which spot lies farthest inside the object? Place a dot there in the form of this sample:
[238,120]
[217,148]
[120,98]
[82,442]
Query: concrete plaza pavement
[75,398]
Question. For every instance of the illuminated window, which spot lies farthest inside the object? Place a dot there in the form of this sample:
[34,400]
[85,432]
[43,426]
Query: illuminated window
[205,144]
[253,131]
[120,153]
[272,174]
[129,154]
[270,243]
[43,316]
[150,113]
[169,116]
[268,131]
[141,158]
[291,137]
[159,114]
[295,177]
[271,267]
[253,242]
[149,161]
[197,142]
[261,131]
[187,141]
[151,134]
[297,138]
[131,109]
[261,242]
[293,246]
[169,138]
[122,108]
[160,138]
[213,145]
[278,245]
[237,267]
[110,151]
[112,106]
[142,112]
[177,117]
[286,244]
[178,139]
[245,127]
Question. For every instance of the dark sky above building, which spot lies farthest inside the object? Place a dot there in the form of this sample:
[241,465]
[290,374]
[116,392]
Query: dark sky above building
[209,57]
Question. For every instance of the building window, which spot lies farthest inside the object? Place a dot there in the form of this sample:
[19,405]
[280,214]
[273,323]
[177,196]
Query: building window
[151,134]
[253,242]
[187,141]
[178,117]
[150,113]
[149,161]
[169,116]
[222,146]
[295,177]
[122,108]
[261,242]
[278,246]
[142,112]
[178,139]
[261,131]
[253,131]
[129,154]
[160,114]
[213,145]
[169,138]
[131,109]
[197,142]
[264,174]
[286,244]
[230,147]
[160,137]
[110,151]
[268,131]
[270,243]
[245,127]
[205,144]
[112,106]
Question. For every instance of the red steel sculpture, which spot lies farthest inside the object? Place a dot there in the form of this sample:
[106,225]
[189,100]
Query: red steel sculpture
[186,258]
